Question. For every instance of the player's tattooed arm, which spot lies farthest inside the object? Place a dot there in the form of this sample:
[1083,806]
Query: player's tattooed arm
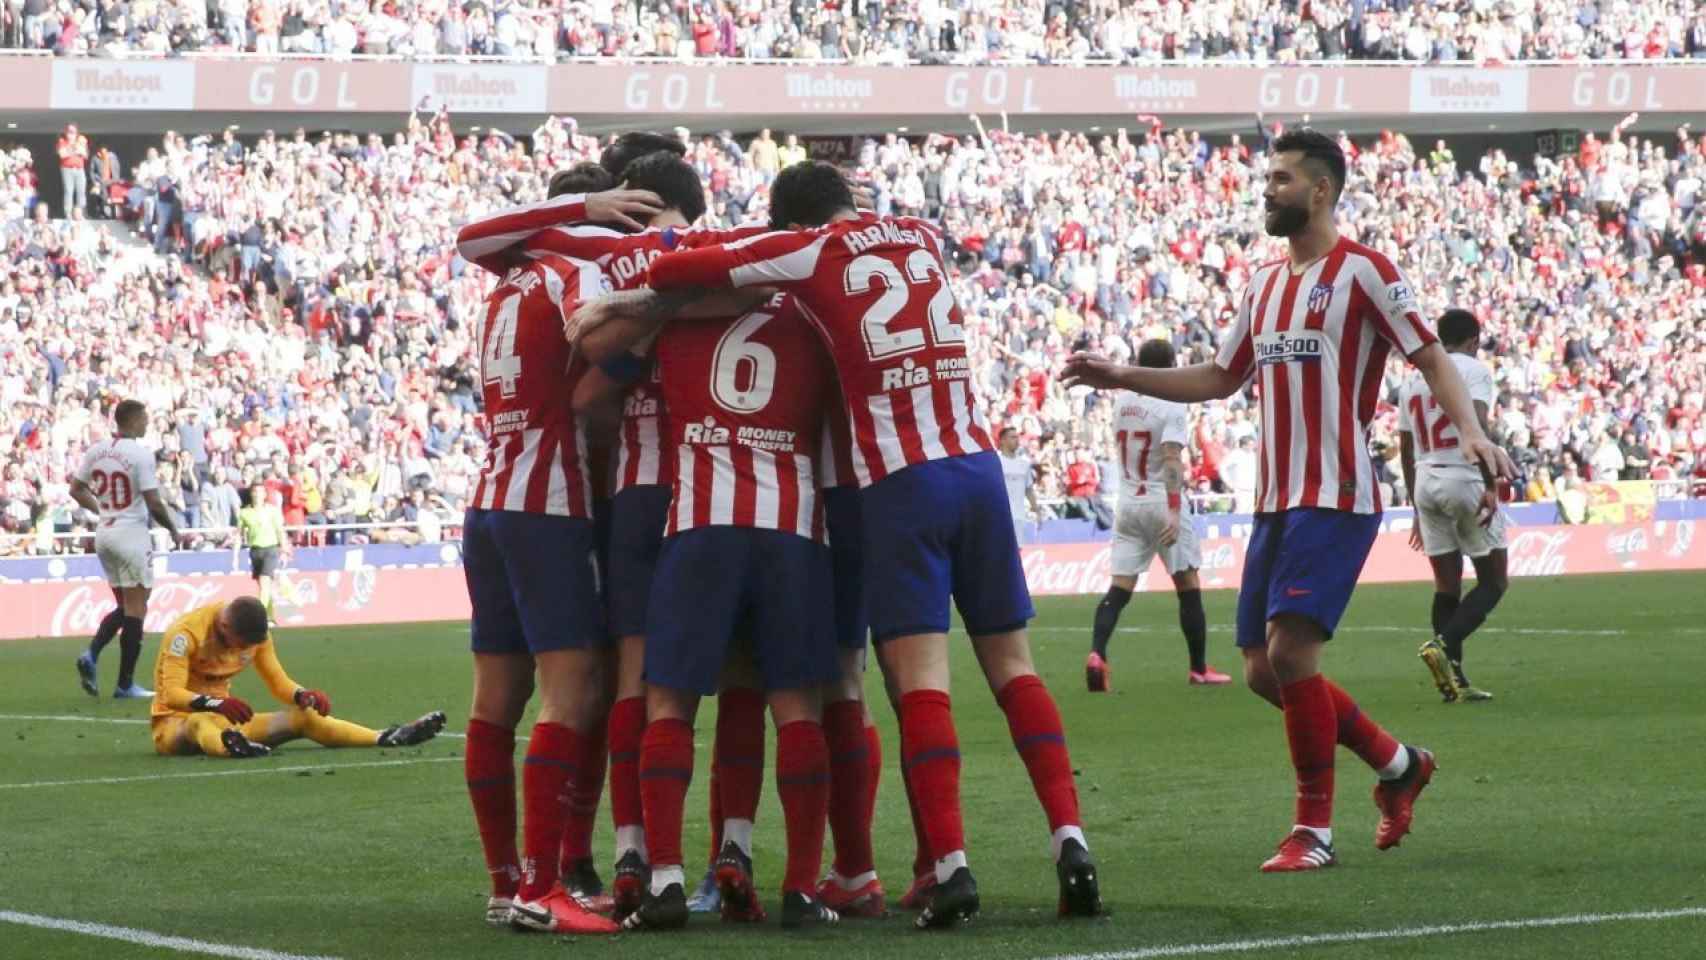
[634,315]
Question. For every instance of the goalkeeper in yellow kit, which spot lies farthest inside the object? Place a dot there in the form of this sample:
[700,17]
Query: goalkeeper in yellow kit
[194,711]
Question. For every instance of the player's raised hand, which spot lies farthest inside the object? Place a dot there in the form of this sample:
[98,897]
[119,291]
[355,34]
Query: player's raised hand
[1091,370]
[622,206]
[315,700]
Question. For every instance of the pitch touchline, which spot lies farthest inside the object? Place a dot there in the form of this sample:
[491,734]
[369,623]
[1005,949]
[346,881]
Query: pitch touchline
[1399,933]
[149,939]
[132,720]
[244,771]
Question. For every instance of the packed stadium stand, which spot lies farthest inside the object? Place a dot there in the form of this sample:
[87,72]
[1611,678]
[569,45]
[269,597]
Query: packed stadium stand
[868,31]
[289,304]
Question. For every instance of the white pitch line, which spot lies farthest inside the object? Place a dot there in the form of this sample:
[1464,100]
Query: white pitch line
[243,771]
[70,717]
[149,939]
[1398,933]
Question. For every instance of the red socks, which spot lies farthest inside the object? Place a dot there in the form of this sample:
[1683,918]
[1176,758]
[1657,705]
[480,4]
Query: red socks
[1312,730]
[587,787]
[627,726]
[1034,722]
[666,768]
[1358,733]
[854,777]
[552,754]
[737,758]
[802,782]
[921,862]
[930,751]
[489,766]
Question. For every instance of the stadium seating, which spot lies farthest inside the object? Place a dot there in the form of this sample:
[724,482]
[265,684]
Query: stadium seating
[326,353]
[873,32]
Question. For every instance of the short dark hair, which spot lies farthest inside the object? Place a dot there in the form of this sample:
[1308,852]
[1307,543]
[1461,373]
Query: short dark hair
[1457,325]
[634,145]
[809,192]
[248,619]
[128,410]
[664,173]
[583,177]
[1155,353]
[1005,431]
[1319,150]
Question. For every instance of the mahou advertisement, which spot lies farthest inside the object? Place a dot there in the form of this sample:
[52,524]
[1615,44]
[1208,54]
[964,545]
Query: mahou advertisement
[364,593]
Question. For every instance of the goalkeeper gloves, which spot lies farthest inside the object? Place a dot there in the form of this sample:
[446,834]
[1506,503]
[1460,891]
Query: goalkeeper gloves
[315,700]
[230,708]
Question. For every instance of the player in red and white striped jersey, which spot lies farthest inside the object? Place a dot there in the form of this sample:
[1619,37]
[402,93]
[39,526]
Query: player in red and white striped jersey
[744,544]
[1316,330]
[530,557]
[935,514]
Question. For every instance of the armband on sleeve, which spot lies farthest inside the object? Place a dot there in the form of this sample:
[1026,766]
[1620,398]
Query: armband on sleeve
[625,367]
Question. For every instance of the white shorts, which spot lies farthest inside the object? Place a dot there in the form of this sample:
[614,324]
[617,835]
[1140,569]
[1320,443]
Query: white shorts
[127,556]
[1137,539]
[1446,505]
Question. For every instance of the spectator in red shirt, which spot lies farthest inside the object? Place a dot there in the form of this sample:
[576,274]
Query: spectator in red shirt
[73,157]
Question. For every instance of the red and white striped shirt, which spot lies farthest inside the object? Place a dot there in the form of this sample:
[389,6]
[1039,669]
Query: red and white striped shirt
[877,291]
[746,399]
[639,440]
[1319,342]
[835,451]
[536,460]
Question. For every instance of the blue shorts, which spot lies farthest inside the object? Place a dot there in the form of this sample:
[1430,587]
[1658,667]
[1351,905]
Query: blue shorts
[841,515]
[532,581]
[1302,561]
[637,518]
[937,530]
[711,582]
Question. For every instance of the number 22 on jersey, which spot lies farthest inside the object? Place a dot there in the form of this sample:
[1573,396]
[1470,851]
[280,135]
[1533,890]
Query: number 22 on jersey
[922,269]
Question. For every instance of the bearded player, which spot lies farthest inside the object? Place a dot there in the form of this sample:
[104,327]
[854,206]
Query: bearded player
[1316,329]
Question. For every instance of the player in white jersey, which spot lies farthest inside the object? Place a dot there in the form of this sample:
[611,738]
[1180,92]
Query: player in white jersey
[117,481]
[1152,519]
[1456,513]
[1020,476]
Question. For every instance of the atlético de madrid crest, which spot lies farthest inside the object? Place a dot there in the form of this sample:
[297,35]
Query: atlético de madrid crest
[1319,296]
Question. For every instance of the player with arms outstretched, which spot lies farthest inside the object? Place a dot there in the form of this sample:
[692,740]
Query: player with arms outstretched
[1152,519]
[118,481]
[1315,329]
[936,521]
[530,558]
[1456,513]
[195,712]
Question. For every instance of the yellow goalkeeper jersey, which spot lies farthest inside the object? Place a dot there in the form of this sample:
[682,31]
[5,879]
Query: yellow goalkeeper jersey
[193,662]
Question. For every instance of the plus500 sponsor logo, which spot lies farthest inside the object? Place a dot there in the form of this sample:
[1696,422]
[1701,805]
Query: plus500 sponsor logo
[1287,347]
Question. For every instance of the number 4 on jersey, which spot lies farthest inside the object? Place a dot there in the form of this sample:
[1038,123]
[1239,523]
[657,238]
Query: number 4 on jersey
[499,362]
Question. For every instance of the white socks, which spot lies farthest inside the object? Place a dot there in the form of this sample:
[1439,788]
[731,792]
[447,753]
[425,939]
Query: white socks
[1397,766]
[632,837]
[1324,834]
[662,877]
[739,832]
[946,866]
[1064,834]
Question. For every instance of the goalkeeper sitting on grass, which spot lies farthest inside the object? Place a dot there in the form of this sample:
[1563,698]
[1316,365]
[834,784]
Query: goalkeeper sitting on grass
[194,711]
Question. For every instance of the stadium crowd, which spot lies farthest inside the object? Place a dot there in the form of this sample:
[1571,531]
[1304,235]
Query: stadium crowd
[870,31]
[297,318]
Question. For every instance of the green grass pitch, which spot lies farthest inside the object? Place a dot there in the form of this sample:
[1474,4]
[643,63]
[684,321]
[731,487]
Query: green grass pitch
[1574,792]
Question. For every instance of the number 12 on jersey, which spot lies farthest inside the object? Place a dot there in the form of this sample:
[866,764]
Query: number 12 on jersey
[1434,430]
